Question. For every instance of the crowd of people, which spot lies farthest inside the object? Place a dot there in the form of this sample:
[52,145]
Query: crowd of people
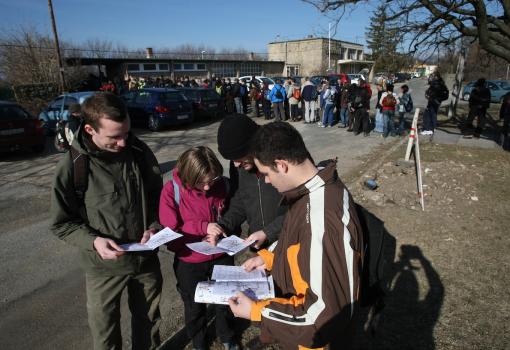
[108,191]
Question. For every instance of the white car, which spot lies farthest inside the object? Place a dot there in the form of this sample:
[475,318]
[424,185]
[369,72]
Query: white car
[415,75]
[260,80]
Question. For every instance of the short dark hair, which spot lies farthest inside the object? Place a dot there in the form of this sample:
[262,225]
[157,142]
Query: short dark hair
[331,83]
[361,82]
[278,140]
[103,105]
[277,81]
[405,88]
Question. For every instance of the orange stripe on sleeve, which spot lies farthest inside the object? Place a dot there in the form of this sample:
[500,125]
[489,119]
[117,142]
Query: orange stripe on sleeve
[268,258]
[303,348]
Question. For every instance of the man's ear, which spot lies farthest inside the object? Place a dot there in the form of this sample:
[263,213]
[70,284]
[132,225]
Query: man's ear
[282,165]
[89,129]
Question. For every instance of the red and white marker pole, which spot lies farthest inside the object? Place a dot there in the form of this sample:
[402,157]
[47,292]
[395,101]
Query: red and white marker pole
[414,131]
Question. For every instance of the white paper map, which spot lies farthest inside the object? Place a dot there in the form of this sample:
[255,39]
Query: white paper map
[160,238]
[205,291]
[230,245]
[252,289]
[224,273]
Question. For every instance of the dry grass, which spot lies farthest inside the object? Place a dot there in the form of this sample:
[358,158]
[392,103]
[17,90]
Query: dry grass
[446,274]
[458,121]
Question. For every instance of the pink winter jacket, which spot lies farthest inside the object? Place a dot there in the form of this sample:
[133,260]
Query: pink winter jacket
[196,209]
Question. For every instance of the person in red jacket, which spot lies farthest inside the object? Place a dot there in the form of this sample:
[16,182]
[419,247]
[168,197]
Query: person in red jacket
[191,204]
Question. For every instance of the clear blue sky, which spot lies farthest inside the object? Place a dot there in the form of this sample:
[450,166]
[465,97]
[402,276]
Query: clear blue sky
[158,23]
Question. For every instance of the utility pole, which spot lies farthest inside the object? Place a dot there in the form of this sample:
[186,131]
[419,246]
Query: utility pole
[458,81]
[57,48]
[329,48]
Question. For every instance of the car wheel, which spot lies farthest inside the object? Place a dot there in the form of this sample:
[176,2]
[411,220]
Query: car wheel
[465,97]
[153,123]
[38,148]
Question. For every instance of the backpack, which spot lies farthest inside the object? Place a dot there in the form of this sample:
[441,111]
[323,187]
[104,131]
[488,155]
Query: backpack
[485,98]
[389,100]
[297,93]
[61,142]
[358,101]
[332,95]
[243,90]
[218,90]
[278,94]
[81,171]
[266,95]
[409,105]
[443,93]
[315,94]
[371,293]
[177,193]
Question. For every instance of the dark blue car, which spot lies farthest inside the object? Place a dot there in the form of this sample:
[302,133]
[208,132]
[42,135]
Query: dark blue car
[158,108]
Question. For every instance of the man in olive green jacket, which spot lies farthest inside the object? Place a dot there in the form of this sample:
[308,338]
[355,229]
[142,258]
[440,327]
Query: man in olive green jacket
[121,205]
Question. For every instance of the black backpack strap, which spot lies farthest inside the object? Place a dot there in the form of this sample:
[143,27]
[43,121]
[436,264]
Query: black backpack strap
[139,155]
[81,172]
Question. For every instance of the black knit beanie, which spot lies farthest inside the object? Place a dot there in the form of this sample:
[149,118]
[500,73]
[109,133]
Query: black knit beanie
[234,135]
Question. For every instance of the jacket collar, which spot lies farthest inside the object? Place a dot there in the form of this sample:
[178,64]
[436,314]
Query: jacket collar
[84,144]
[324,177]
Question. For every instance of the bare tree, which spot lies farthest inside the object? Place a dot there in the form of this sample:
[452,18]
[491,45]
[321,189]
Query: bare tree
[430,24]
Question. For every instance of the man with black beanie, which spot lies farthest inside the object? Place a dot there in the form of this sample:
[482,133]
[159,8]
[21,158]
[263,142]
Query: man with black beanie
[253,199]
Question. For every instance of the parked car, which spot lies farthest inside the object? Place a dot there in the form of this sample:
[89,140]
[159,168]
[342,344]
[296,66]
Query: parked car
[18,129]
[498,89]
[59,109]
[333,77]
[206,101]
[158,107]
[355,77]
[400,77]
[260,80]
[415,75]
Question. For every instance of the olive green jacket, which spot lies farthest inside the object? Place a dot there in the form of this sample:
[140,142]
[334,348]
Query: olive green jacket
[120,204]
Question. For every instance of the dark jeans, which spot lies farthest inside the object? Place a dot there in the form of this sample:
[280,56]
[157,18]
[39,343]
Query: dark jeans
[360,117]
[294,112]
[188,275]
[266,107]
[328,115]
[388,122]
[430,116]
[278,106]
[482,119]
[344,116]
[239,105]
[401,121]
[245,104]
[287,109]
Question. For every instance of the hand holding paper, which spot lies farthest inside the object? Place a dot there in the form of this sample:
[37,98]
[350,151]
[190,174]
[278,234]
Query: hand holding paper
[160,238]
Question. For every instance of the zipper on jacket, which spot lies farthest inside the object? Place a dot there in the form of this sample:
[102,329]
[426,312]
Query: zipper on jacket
[133,185]
[260,201]
[288,319]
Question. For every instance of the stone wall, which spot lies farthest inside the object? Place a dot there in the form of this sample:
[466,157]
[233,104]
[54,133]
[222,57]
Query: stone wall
[31,92]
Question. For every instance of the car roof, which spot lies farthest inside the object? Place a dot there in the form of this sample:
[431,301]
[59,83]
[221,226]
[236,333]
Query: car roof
[156,89]
[7,104]
[193,88]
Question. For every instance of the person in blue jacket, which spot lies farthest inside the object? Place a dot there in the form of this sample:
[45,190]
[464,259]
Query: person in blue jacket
[277,96]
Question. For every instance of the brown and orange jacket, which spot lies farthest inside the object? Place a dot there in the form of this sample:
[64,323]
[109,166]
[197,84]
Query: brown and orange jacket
[316,266]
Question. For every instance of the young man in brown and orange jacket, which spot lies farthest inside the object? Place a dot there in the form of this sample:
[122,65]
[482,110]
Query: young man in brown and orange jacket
[317,262]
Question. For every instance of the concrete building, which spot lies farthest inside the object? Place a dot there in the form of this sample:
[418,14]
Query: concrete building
[313,56]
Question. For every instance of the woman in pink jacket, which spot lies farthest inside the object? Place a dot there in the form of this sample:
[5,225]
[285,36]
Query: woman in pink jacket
[191,204]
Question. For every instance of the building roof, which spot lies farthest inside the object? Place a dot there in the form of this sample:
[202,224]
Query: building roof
[316,38]
[117,60]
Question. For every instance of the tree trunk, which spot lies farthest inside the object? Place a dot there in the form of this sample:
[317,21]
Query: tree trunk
[458,81]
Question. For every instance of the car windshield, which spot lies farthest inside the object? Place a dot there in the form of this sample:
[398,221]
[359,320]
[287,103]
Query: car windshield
[314,81]
[504,85]
[12,113]
[208,95]
[267,80]
[171,96]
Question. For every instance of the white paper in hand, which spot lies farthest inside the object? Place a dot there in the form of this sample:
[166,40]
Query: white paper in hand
[230,245]
[160,238]
[236,273]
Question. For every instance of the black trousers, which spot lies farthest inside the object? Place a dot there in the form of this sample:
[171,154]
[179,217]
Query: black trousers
[287,109]
[482,119]
[266,107]
[188,275]
[244,101]
[360,117]
[294,112]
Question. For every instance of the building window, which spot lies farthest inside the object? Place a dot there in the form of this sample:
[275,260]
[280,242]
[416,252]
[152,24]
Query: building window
[133,67]
[352,54]
[224,69]
[251,69]
[163,67]
[344,51]
[149,66]
[292,70]
[177,66]
[360,55]
[189,66]
[200,66]
[354,68]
